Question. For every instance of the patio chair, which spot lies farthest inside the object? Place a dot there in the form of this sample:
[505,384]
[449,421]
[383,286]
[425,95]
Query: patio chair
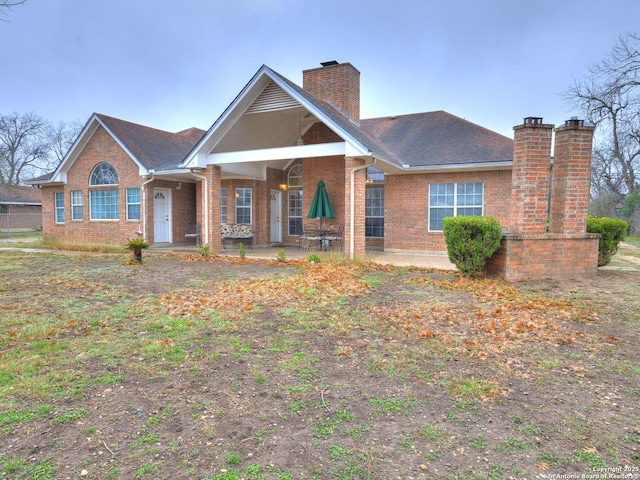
[192,233]
[335,239]
[310,237]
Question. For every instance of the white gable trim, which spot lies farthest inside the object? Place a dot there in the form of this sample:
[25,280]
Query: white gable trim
[87,133]
[281,153]
[244,101]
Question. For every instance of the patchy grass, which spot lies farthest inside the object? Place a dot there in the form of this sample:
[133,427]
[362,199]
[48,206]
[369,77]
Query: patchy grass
[193,367]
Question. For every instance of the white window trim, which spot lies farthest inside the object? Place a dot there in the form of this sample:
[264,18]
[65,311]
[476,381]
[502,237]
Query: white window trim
[289,216]
[73,205]
[104,219]
[250,205]
[127,203]
[56,208]
[455,205]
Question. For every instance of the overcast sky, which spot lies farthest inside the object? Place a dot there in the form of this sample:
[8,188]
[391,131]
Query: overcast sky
[176,64]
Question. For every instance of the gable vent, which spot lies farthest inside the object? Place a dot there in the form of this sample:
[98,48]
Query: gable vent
[271,99]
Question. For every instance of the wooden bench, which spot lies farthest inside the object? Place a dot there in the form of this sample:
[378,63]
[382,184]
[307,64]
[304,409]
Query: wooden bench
[238,232]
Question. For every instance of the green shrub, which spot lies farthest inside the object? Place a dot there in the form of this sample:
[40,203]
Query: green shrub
[612,231]
[471,241]
[314,258]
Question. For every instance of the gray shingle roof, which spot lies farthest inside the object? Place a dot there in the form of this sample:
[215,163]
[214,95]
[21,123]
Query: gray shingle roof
[154,149]
[421,139]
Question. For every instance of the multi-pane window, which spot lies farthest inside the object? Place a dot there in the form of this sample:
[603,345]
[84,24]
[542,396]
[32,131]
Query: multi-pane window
[76,205]
[243,206]
[223,205]
[452,200]
[294,178]
[104,204]
[104,174]
[374,212]
[133,204]
[294,199]
[59,207]
[295,212]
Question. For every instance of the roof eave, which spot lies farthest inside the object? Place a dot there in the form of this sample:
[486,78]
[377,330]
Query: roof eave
[457,167]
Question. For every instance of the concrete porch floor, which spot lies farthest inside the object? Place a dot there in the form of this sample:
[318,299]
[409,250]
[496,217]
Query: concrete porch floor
[404,259]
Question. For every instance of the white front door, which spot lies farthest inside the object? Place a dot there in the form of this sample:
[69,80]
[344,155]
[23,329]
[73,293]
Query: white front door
[161,215]
[276,211]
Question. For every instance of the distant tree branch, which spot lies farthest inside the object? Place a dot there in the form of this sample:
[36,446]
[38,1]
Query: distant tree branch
[7,5]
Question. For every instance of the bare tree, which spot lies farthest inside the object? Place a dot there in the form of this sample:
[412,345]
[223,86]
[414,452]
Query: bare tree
[610,98]
[7,4]
[31,146]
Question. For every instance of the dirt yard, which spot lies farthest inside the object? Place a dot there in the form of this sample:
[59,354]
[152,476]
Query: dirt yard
[236,369]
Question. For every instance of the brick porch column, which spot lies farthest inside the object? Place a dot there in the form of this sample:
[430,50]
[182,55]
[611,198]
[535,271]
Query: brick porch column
[571,176]
[530,176]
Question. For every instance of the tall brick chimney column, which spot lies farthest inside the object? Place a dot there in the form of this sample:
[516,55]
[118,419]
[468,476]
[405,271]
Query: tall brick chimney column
[530,176]
[337,83]
[571,176]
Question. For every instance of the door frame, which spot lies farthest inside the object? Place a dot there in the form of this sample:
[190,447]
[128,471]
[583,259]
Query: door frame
[167,193]
[275,195]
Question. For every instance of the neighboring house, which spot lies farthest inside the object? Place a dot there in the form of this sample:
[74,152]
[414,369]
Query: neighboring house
[391,180]
[20,208]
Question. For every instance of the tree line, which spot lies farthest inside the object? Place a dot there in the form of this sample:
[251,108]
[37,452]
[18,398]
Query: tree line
[609,97]
[31,146]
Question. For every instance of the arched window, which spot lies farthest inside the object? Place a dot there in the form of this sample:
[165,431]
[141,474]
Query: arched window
[294,182]
[104,203]
[103,174]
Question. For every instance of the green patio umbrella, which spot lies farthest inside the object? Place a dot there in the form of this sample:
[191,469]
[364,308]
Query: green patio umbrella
[321,206]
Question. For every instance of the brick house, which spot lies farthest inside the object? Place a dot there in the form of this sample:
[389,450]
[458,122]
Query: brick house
[391,180]
[20,208]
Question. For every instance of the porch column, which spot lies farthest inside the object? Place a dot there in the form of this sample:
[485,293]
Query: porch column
[355,200]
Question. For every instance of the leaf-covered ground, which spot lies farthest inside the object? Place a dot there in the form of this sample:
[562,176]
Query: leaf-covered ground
[227,369]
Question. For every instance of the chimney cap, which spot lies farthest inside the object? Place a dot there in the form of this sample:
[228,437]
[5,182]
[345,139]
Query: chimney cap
[533,120]
[330,63]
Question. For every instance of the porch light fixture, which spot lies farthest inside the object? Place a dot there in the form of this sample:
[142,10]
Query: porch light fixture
[284,187]
[179,186]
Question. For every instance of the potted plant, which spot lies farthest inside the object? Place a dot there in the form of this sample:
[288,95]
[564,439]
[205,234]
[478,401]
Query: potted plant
[136,245]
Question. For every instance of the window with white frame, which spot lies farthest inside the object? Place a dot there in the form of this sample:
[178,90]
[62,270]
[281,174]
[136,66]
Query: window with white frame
[104,203]
[133,204]
[374,212]
[294,184]
[452,200]
[243,206]
[295,212]
[59,207]
[77,206]
[374,203]
[223,205]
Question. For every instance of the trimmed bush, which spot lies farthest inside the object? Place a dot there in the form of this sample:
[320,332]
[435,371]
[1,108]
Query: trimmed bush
[471,241]
[612,231]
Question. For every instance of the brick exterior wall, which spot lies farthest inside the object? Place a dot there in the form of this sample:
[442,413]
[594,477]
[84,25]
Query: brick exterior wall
[535,257]
[338,84]
[406,200]
[528,252]
[103,148]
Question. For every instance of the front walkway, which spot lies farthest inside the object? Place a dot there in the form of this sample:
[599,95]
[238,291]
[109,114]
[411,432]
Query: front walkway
[400,259]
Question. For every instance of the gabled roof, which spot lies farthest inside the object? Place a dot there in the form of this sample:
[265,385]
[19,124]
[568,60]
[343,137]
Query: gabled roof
[438,138]
[16,195]
[153,149]
[149,148]
[423,141]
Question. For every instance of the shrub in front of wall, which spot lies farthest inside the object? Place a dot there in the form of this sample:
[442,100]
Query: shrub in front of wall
[471,241]
[612,231]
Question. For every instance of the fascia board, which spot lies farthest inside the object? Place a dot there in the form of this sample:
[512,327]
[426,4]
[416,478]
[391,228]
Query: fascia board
[59,175]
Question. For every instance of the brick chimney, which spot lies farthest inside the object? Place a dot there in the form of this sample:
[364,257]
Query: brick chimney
[336,83]
[530,176]
[571,176]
